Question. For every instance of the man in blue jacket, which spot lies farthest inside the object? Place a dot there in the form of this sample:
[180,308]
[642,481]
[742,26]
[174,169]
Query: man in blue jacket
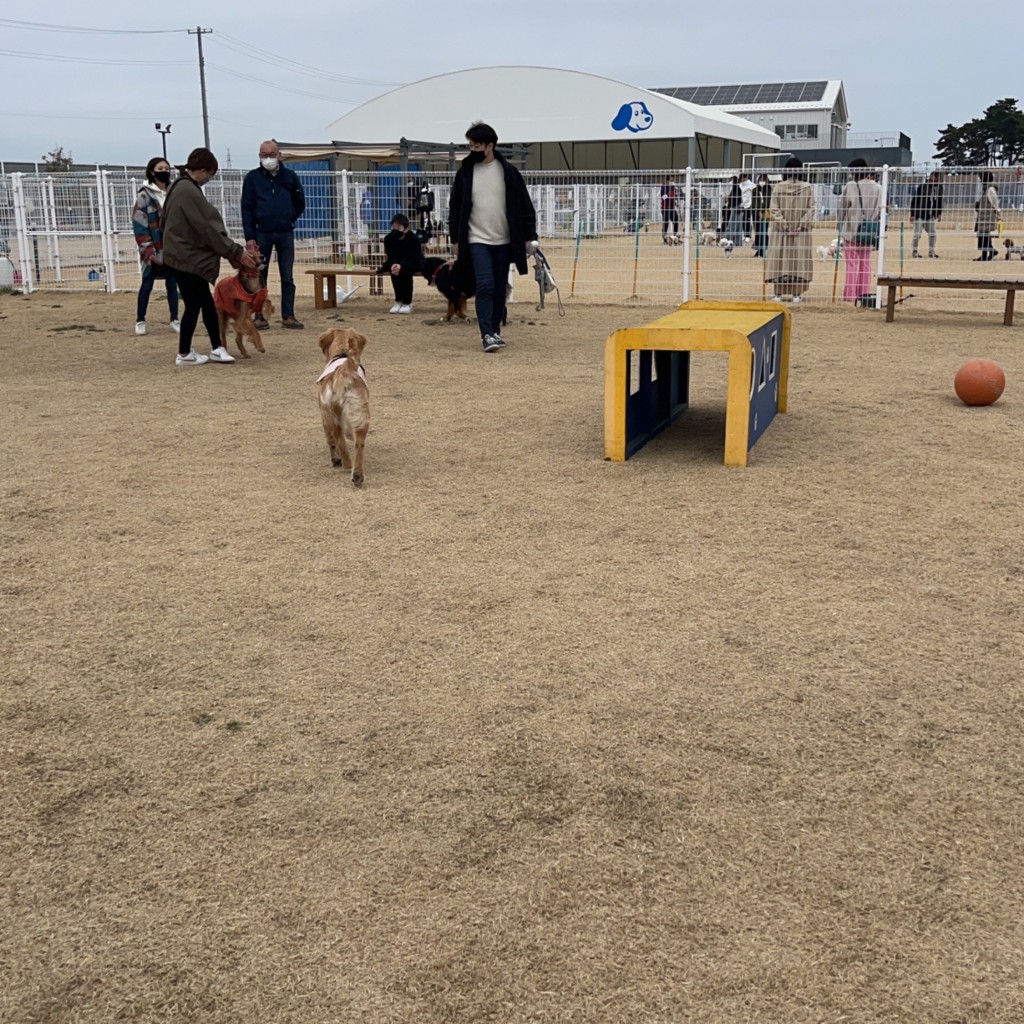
[272,201]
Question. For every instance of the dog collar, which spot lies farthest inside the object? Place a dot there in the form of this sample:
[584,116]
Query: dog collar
[433,277]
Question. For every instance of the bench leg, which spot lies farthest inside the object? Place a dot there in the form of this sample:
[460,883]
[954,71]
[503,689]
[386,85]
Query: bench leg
[1008,312]
[890,304]
[318,291]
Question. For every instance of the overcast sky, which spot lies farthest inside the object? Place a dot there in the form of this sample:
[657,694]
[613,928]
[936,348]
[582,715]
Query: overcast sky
[288,69]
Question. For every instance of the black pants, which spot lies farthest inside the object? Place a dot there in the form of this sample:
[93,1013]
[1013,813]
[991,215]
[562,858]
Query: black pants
[195,291]
[670,215]
[988,250]
[402,284]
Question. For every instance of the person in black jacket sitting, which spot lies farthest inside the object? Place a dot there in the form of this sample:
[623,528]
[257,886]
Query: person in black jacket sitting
[272,201]
[403,255]
[490,221]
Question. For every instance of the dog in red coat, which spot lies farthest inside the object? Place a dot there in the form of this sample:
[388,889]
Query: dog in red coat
[237,299]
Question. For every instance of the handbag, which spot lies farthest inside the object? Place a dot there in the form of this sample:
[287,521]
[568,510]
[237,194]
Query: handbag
[869,232]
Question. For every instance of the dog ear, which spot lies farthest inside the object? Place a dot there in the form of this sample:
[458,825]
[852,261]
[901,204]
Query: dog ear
[325,339]
[355,344]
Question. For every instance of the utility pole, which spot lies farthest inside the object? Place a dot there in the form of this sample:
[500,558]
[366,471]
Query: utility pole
[199,33]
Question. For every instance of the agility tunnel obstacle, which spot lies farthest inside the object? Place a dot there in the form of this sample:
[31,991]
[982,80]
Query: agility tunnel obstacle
[756,336]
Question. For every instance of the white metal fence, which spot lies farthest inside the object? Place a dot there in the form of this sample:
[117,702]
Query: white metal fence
[603,233]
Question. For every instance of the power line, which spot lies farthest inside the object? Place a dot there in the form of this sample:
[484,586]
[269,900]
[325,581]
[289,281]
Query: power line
[67,58]
[271,85]
[38,26]
[246,49]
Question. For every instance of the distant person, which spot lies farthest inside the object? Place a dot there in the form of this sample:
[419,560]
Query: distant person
[760,201]
[732,217]
[195,241]
[926,212]
[861,203]
[272,201]
[669,210]
[987,222]
[747,203]
[402,257]
[790,267]
[149,239]
[490,220]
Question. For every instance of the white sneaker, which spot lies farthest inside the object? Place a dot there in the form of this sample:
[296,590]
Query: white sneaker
[175,326]
[140,327]
[221,355]
[405,308]
[396,308]
[192,359]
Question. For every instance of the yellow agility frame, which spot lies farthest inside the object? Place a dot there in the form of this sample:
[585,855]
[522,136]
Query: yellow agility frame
[698,326]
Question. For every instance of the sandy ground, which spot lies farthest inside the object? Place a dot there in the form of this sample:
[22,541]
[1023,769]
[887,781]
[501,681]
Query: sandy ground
[513,733]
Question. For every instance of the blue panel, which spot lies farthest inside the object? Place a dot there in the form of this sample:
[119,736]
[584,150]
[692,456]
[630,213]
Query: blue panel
[320,217]
[766,355]
[662,397]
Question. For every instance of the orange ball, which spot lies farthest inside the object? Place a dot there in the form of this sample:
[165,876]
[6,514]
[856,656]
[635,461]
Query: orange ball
[979,382]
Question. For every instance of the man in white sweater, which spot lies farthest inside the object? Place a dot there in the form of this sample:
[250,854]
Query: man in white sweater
[490,220]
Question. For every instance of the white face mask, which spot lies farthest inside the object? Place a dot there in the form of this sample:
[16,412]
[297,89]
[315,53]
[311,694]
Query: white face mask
[269,163]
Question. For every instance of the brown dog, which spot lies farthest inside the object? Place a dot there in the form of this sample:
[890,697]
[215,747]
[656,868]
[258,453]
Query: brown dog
[344,399]
[453,281]
[237,298]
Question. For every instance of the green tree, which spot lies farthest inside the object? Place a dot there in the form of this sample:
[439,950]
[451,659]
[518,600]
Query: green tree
[58,160]
[996,138]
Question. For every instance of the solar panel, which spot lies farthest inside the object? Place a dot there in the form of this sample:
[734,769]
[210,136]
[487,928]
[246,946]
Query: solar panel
[733,95]
[813,92]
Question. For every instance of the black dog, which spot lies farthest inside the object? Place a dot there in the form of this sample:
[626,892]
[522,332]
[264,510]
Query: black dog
[453,280]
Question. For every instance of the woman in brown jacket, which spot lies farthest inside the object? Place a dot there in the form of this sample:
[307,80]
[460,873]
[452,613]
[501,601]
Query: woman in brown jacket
[195,241]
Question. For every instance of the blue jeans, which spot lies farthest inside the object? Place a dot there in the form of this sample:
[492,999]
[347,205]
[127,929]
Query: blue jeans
[284,243]
[490,267]
[146,289]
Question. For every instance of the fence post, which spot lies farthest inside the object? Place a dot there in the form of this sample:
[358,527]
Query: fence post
[687,234]
[883,224]
[346,226]
[50,220]
[21,230]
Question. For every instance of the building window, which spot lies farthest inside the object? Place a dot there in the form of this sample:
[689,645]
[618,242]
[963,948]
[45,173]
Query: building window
[796,132]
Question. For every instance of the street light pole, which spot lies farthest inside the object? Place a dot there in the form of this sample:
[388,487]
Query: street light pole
[164,132]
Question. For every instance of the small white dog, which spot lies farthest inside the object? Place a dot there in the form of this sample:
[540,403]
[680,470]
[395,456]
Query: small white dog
[727,246]
[828,252]
[708,238]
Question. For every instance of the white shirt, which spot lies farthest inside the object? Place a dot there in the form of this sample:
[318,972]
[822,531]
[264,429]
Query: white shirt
[488,219]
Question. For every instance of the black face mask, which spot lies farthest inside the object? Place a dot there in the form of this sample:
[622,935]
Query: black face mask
[475,157]
[162,176]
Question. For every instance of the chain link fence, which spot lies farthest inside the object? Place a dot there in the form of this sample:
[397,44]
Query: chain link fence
[609,237]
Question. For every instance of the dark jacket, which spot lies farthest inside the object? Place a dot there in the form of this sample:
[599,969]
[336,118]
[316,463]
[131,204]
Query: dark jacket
[403,249]
[195,239]
[926,202]
[271,202]
[522,218]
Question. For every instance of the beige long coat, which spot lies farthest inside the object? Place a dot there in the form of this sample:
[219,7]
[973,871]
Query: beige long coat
[790,264]
[988,211]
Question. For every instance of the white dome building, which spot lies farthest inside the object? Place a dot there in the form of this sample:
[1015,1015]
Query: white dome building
[570,120]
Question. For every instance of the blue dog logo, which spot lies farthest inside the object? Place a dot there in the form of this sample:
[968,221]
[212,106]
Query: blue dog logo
[633,117]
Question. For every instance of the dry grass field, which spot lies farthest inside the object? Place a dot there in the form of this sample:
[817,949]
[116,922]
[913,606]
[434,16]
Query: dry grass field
[513,734]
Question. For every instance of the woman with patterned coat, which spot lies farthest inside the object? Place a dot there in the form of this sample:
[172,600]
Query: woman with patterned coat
[149,239]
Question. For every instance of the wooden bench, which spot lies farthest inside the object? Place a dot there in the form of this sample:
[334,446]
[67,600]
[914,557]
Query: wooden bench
[329,276]
[892,282]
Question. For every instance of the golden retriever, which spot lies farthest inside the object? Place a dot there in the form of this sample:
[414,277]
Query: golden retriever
[344,399]
[237,297]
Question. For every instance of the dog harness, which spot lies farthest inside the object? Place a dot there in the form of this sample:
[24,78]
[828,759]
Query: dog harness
[335,363]
[230,292]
